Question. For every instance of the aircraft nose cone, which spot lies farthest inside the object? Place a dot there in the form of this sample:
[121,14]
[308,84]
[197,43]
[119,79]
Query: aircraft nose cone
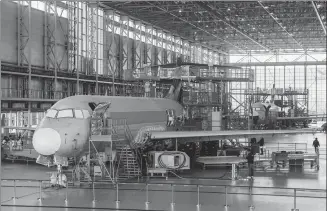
[46,141]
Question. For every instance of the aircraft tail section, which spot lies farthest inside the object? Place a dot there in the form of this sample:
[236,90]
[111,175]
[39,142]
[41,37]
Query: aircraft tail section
[175,92]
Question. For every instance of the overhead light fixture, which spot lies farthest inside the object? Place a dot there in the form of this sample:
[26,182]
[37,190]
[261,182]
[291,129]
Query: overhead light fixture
[266,7]
[228,9]
[180,10]
[253,28]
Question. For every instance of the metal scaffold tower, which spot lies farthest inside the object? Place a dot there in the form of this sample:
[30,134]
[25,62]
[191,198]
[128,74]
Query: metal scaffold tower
[73,35]
[112,155]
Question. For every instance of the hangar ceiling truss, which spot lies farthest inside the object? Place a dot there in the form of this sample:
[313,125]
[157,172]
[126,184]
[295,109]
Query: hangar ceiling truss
[237,26]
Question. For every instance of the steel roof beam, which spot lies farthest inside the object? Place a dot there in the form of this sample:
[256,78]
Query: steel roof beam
[206,31]
[215,14]
[107,7]
[318,16]
[263,7]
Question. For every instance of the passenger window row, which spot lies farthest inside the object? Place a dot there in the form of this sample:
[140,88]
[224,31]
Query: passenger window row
[68,113]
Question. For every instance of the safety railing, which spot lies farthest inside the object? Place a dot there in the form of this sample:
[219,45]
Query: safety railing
[34,94]
[163,194]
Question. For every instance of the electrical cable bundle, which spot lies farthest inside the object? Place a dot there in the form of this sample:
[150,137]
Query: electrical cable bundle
[163,165]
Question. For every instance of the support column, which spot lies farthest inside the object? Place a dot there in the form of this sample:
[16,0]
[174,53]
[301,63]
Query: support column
[177,45]
[112,47]
[56,52]
[187,55]
[316,82]
[160,47]
[73,14]
[149,44]
[210,57]
[193,52]
[92,41]
[265,77]
[24,45]
[169,48]
[173,49]
[124,36]
[138,44]
[200,54]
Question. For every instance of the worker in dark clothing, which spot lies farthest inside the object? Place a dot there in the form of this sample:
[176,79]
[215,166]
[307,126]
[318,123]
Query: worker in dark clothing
[250,159]
[316,145]
[261,144]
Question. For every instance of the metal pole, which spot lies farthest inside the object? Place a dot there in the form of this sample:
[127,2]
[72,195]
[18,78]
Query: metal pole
[40,192]
[172,196]
[14,190]
[278,146]
[226,195]
[147,194]
[294,209]
[198,205]
[66,199]
[94,200]
[306,147]
[251,207]
[117,194]
[295,147]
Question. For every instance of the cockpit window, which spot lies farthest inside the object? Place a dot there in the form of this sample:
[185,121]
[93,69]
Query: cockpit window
[86,114]
[79,114]
[65,113]
[51,113]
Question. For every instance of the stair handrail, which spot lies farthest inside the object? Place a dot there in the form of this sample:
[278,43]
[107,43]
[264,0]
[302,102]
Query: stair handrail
[128,135]
[123,150]
[102,164]
[130,139]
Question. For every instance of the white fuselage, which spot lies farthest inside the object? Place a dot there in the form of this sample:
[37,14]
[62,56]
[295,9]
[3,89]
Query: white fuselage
[65,130]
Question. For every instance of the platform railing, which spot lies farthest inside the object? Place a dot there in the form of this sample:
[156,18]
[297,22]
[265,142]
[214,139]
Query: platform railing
[37,189]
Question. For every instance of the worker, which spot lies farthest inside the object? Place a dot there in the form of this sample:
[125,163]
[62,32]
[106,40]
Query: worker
[250,159]
[19,144]
[316,145]
[53,179]
[5,140]
[261,144]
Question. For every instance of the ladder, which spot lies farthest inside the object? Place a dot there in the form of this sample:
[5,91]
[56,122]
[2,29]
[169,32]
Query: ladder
[129,160]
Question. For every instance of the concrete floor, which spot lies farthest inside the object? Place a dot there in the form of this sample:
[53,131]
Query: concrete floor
[211,197]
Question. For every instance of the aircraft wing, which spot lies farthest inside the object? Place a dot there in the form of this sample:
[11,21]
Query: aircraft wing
[218,135]
[20,128]
[297,118]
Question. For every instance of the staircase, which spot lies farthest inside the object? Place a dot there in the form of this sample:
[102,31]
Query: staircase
[129,159]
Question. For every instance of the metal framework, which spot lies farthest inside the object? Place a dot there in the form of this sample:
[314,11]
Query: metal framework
[237,26]
[73,35]
[92,21]
[198,32]
[24,44]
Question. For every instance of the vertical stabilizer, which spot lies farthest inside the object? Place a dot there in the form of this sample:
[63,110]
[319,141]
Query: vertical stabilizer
[175,91]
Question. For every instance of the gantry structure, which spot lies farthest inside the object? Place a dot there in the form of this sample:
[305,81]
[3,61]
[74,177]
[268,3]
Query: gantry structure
[55,49]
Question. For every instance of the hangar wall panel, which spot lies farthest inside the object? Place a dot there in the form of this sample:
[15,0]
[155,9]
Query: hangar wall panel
[8,47]
[9,43]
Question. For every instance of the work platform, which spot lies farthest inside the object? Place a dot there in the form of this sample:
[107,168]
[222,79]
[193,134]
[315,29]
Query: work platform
[275,188]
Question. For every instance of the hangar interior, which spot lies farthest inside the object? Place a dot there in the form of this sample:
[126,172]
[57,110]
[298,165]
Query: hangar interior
[59,49]
[230,55]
